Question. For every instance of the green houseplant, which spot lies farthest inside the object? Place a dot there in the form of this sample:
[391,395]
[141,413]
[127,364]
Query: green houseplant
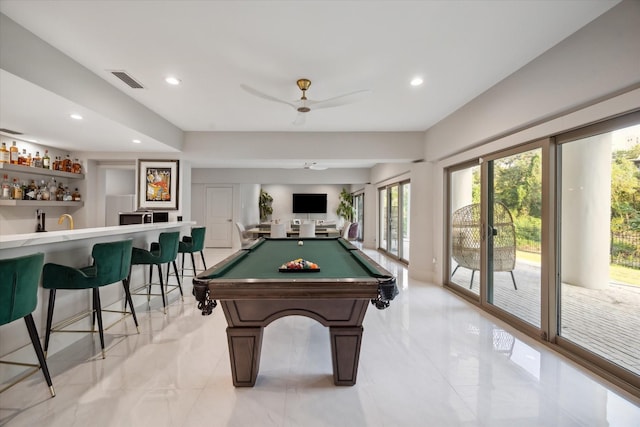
[345,207]
[264,205]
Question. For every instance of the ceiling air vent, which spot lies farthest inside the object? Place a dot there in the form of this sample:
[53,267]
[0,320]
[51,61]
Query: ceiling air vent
[9,131]
[130,81]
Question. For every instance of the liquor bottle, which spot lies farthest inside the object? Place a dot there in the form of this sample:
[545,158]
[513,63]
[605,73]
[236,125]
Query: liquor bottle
[46,160]
[53,187]
[28,161]
[60,192]
[66,164]
[25,190]
[76,196]
[5,156]
[22,158]
[44,193]
[36,162]
[32,191]
[67,195]
[77,166]
[16,190]
[6,188]
[14,154]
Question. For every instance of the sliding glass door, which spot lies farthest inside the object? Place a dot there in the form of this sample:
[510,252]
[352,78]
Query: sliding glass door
[394,219]
[599,189]
[513,231]
[383,215]
[464,227]
[358,205]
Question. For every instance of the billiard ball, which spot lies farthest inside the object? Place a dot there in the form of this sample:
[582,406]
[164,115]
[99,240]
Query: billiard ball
[300,243]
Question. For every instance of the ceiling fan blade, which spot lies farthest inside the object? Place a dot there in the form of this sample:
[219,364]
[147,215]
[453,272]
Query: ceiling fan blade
[340,100]
[259,94]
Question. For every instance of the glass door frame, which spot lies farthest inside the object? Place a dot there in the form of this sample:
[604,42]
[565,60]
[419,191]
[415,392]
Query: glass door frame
[548,291]
[386,227]
[602,366]
[448,250]
[548,316]
[358,204]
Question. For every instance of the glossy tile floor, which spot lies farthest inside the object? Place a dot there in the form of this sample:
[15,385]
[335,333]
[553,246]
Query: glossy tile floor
[431,359]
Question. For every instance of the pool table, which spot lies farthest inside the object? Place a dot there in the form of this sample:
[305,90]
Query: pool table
[253,292]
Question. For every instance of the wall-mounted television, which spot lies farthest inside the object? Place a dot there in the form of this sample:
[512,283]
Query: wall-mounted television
[309,203]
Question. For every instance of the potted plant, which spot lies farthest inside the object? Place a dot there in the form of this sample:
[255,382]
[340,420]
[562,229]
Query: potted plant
[345,207]
[264,205]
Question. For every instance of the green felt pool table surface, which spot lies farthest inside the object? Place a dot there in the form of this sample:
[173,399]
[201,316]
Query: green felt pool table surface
[336,258]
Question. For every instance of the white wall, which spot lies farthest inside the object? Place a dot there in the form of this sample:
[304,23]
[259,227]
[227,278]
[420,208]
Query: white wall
[249,214]
[120,181]
[262,149]
[279,176]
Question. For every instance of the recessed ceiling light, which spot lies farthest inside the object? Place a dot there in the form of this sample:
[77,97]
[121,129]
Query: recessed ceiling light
[75,116]
[173,80]
[136,141]
[416,81]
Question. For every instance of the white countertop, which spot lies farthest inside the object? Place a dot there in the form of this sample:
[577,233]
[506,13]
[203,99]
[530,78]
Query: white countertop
[31,239]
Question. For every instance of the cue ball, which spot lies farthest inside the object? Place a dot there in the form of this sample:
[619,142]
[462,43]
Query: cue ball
[300,243]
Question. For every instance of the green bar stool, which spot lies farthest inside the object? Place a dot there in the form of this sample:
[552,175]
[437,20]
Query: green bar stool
[165,251]
[19,278]
[111,264]
[191,244]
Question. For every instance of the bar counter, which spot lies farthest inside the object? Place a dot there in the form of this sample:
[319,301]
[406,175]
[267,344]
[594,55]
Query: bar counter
[11,241]
[73,248]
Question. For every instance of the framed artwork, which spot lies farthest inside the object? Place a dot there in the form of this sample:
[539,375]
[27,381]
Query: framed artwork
[158,184]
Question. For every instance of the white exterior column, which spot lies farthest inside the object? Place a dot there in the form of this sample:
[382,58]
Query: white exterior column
[461,188]
[586,211]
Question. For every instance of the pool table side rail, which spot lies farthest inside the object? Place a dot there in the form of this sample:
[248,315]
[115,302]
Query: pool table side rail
[361,288]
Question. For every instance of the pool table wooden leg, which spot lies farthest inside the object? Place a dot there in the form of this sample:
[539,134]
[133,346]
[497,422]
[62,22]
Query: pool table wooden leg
[245,345]
[345,353]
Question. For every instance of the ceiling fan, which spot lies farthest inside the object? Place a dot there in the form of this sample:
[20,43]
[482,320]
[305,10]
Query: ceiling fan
[314,166]
[305,105]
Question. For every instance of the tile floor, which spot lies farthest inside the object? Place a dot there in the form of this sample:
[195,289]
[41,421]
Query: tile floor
[431,359]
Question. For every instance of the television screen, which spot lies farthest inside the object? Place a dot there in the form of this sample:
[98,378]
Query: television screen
[309,203]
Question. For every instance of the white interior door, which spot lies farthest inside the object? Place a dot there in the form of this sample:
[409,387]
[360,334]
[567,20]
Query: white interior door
[219,216]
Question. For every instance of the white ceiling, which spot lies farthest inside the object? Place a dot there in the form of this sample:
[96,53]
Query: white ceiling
[460,48]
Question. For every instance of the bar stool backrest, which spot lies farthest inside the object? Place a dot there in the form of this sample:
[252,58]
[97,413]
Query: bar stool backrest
[112,261]
[197,238]
[19,278]
[168,247]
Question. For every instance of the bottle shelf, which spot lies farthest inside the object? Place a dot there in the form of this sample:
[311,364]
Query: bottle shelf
[40,203]
[28,170]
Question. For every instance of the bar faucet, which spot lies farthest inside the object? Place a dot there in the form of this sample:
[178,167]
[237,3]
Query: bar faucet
[40,215]
[63,216]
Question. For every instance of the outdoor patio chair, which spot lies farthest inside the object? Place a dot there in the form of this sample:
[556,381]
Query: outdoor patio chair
[466,238]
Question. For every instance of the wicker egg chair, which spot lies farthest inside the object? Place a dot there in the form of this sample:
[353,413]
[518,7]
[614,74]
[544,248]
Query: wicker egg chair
[466,239]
